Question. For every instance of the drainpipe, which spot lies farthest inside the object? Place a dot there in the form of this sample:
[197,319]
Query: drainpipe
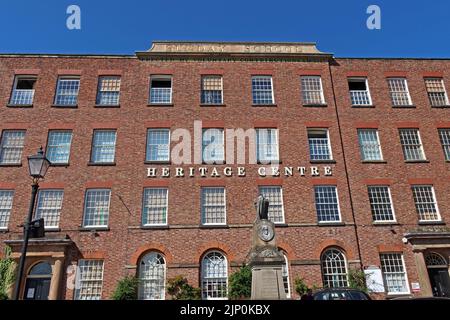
[345,167]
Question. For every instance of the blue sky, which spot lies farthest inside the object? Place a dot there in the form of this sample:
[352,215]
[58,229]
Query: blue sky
[408,28]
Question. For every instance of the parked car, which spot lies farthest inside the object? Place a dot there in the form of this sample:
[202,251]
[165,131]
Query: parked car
[340,294]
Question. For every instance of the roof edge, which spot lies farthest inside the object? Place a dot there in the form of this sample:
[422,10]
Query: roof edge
[67,55]
[388,58]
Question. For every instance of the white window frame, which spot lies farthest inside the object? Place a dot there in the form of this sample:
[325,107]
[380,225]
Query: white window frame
[100,91]
[391,92]
[226,270]
[2,144]
[330,151]
[394,219]
[8,214]
[286,261]
[224,211]
[283,220]
[271,87]
[141,280]
[161,77]
[369,97]
[422,150]
[380,150]
[94,146]
[203,77]
[14,90]
[58,94]
[445,144]
[439,218]
[102,226]
[390,293]
[213,161]
[78,280]
[322,260]
[144,206]
[322,97]
[447,103]
[47,227]
[273,159]
[148,144]
[59,146]
[337,201]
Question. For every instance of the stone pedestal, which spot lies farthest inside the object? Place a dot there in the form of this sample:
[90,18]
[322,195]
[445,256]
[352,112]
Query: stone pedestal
[266,262]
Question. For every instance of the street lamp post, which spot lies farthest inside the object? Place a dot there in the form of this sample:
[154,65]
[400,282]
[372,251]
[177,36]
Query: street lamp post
[37,166]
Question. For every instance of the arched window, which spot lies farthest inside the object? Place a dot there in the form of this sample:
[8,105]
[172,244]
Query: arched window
[285,274]
[152,276]
[334,268]
[214,276]
[41,269]
[435,260]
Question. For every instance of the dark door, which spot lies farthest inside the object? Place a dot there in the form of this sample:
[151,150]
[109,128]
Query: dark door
[37,289]
[440,282]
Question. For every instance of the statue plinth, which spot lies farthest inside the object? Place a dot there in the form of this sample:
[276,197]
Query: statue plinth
[266,262]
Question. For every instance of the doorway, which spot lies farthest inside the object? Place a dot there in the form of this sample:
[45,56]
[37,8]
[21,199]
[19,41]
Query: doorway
[438,274]
[37,286]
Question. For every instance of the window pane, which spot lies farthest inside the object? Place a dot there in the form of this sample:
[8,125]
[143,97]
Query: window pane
[275,197]
[49,206]
[58,147]
[334,269]
[394,272]
[444,135]
[96,207]
[436,91]
[6,200]
[211,90]
[213,205]
[108,91]
[214,276]
[213,146]
[425,201]
[152,275]
[155,206]
[161,90]
[23,92]
[380,203]
[369,144]
[67,92]
[104,145]
[89,280]
[12,146]
[398,88]
[285,276]
[267,145]
[327,203]
[158,145]
[411,144]
[359,92]
[262,90]
[312,90]
[319,146]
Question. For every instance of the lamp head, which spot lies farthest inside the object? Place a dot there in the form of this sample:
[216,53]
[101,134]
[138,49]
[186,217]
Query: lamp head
[38,164]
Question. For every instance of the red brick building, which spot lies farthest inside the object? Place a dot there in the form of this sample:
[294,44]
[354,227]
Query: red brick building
[363,147]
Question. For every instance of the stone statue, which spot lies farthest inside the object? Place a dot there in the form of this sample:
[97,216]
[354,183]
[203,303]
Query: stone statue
[262,207]
[264,258]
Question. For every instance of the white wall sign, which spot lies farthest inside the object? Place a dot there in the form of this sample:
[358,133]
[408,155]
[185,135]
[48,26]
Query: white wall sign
[217,172]
[374,279]
[415,286]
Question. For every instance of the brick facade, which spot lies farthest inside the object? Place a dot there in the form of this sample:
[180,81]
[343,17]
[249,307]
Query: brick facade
[184,241]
